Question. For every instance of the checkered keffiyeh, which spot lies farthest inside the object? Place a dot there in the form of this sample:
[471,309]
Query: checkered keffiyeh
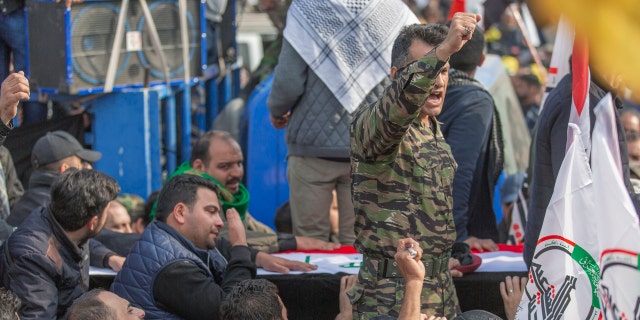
[347,43]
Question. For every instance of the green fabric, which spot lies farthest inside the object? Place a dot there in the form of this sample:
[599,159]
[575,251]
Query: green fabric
[239,201]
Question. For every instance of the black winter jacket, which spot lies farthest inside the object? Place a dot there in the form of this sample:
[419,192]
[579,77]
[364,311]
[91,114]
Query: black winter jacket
[43,267]
[38,194]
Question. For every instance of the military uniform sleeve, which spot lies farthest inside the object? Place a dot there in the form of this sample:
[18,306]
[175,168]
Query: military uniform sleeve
[254,225]
[377,129]
[265,242]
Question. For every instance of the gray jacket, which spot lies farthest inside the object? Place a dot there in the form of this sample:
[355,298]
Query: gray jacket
[319,125]
[215,9]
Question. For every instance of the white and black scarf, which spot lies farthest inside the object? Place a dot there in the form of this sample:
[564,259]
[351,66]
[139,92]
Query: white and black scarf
[347,43]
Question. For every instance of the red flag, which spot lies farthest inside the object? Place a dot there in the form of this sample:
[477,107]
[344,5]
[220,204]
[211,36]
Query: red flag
[473,6]
[456,6]
[580,72]
[580,89]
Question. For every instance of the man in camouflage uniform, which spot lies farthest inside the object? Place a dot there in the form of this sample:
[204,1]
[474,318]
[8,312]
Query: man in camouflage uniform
[402,172]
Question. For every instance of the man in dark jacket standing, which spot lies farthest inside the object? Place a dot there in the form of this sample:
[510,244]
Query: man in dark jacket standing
[550,145]
[470,127]
[46,261]
[170,272]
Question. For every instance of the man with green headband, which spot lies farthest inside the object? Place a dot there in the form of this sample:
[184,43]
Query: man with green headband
[218,157]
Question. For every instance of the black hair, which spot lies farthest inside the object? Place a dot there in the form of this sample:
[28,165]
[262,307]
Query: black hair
[79,195]
[432,34]
[469,56]
[182,188]
[255,299]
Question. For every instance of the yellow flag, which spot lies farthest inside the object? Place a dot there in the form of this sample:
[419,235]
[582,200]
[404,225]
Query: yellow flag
[613,29]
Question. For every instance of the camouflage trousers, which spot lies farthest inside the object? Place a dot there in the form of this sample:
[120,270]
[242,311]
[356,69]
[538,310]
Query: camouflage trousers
[373,295]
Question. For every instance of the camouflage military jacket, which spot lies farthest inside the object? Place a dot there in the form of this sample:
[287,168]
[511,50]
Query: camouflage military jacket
[402,170]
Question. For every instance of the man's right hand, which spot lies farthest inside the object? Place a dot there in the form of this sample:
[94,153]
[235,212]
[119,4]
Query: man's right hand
[346,309]
[14,88]
[237,233]
[511,291]
[481,244]
[410,267]
[306,243]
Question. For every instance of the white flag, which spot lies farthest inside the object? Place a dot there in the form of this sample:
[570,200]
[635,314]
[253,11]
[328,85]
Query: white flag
[532,29]
[564,273]
[559,65]
[619,235]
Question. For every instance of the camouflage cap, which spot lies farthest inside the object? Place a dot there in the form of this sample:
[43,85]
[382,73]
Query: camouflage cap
[133,202]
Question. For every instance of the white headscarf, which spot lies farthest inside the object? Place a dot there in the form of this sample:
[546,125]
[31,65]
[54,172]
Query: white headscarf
[347,43]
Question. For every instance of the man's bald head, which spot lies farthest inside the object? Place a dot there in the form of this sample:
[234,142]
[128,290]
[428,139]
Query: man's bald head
[118,218]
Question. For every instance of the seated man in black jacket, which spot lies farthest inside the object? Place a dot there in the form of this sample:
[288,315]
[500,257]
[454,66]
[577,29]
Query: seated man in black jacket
[171,272]
[45,262]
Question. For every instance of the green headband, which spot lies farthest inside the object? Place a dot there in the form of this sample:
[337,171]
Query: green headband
[239,201]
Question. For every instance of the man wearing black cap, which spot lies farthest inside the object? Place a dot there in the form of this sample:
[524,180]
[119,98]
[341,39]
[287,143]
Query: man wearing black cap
[52,155]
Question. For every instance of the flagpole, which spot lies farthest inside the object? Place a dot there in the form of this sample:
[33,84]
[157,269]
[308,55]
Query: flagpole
[534,53]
